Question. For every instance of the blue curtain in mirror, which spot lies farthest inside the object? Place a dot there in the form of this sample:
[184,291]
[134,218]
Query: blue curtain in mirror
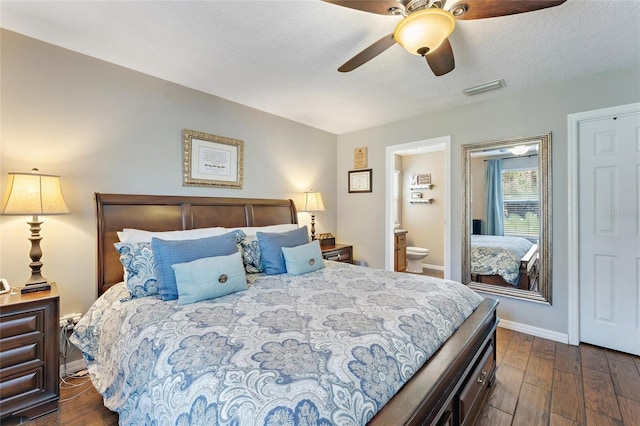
[493,199]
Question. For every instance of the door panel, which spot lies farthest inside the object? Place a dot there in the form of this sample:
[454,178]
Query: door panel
[609,210]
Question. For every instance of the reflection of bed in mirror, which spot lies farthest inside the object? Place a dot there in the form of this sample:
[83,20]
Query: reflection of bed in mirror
[504,261]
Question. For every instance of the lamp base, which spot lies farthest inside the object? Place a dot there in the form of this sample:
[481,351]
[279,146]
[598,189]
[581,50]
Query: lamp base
[31,288]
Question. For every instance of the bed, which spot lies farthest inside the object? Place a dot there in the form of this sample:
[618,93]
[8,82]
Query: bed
[505,261]
[146,357]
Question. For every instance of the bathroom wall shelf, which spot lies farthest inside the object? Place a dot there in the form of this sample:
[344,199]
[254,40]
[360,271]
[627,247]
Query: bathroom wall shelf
[422,201]
[426,186]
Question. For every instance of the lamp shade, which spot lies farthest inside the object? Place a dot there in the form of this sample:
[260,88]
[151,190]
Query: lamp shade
[424,31]
[33,194]
[312,202]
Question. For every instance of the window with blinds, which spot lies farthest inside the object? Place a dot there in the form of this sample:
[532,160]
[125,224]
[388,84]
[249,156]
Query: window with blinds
[521,197]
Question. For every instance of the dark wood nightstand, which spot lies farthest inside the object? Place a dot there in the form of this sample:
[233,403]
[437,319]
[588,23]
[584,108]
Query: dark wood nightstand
[29,353]
[338,253]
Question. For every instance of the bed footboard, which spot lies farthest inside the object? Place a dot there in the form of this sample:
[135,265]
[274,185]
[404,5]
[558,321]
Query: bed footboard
[452,386]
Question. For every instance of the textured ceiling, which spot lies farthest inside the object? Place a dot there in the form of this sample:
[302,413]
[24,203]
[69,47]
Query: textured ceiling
[282,56]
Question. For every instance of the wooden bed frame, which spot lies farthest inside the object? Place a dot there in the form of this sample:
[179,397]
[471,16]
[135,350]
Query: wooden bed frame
[449,389]
[528,273]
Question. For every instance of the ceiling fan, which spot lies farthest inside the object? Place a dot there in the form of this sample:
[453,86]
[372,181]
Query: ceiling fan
[426,25]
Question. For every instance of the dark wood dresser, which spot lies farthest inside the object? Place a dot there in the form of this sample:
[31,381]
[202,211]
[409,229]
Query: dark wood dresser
[29,353]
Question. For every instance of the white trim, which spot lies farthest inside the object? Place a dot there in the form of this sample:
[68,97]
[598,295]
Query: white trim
[445,142]
[434,267]
[573,252]
[534,331]
[72,367]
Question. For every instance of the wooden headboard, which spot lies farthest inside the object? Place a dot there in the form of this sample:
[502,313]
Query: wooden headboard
[169,213]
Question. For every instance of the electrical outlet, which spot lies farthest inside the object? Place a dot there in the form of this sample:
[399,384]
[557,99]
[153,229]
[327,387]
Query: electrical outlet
[68,321]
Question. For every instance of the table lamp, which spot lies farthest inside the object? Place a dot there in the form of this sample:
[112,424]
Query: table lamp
[34,194]
[312,203]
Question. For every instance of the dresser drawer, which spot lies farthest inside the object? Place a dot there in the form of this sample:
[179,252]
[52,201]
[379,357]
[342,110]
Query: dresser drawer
[475,389]
[21,386]
[20,324]
[29,354]
[21,358]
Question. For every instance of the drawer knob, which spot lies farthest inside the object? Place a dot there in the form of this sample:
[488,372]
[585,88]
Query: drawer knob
[482,377]
[222,279]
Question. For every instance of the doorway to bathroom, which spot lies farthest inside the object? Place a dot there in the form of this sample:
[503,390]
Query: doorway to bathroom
[419,207]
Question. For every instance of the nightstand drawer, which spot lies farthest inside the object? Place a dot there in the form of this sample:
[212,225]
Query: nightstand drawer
[338,253]
[20,324]
[29,354]
[339,256]
[21,386]
[21,358]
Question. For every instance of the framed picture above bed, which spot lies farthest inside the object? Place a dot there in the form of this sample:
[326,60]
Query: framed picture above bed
[211,160]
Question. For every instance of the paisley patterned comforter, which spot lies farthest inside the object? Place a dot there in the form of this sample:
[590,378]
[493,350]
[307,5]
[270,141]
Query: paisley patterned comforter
[328,347]
[498,255]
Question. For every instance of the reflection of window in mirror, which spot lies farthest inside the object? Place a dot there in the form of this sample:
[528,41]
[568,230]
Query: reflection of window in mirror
[521,198]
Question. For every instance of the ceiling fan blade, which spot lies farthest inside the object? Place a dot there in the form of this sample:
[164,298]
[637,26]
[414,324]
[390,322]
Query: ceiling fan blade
[479,9]
[441,60]
[381,7]
[369,53]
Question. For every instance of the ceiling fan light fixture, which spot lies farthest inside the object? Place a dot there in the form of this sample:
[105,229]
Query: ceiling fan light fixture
[424,31]
[519,150]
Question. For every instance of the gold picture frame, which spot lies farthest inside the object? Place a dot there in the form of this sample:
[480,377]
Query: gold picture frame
[211,161]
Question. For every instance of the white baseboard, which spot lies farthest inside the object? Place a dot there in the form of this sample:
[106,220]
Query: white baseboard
[73,367]
[434,267]
[534,331]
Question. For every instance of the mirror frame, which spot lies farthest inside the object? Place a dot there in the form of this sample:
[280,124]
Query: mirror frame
[544,246]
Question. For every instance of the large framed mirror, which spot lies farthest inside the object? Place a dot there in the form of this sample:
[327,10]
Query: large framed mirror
[506,232]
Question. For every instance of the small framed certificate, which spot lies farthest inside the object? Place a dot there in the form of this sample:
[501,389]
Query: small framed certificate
[360,158]
[360,180]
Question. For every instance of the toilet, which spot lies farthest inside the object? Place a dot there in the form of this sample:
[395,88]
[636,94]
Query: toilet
[414,259]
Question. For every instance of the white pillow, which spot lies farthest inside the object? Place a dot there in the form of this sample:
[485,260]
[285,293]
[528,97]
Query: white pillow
[129,235]
[251,230]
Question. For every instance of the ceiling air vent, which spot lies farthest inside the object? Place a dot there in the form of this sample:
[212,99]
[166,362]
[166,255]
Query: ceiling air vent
[492,85]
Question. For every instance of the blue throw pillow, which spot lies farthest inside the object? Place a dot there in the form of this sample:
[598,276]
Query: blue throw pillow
[302,259]
[209,277]
[169,253]
[139,268]
[271,244]
[250,249]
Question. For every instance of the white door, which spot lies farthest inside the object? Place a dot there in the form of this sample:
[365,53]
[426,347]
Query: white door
[609,232]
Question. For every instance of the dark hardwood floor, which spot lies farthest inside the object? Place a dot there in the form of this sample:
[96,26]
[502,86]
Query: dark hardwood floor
[539,382]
